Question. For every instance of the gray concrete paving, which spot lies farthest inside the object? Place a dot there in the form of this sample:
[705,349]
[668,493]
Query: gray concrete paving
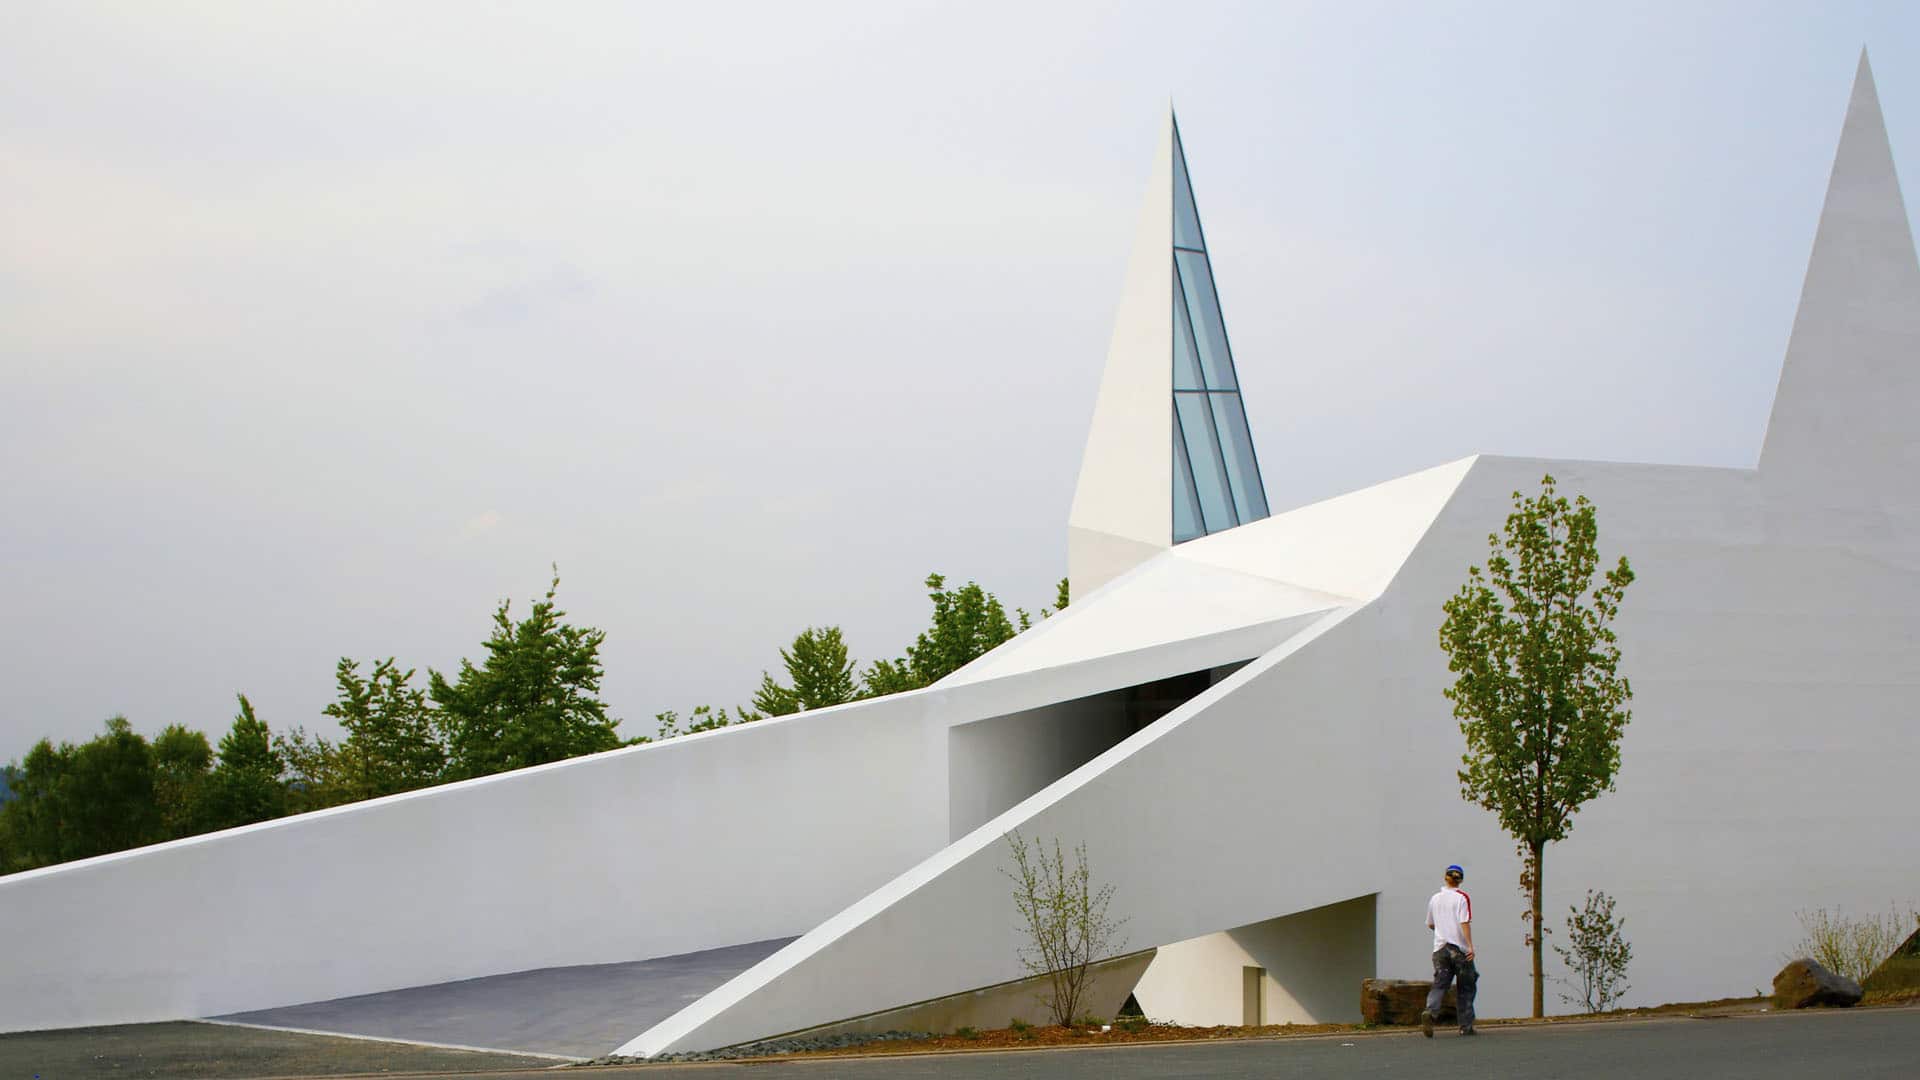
[1868,1043]
[1855,1044]
[210,1052]
[575,1012]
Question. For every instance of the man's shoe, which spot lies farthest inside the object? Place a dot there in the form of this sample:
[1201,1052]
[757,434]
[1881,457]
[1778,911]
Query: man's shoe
[1426,1023]
[1468,1031]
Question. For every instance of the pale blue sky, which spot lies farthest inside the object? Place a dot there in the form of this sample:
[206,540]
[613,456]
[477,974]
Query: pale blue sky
[325,326]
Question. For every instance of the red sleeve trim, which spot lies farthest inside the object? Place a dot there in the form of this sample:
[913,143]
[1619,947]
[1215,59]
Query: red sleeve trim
[1469,900]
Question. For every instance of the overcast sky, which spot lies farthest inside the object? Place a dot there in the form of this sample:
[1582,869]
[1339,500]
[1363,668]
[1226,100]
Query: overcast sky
[325,327]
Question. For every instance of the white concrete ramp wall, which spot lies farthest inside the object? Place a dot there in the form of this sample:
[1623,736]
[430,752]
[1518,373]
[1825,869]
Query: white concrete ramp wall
[738,835]
[1165,810]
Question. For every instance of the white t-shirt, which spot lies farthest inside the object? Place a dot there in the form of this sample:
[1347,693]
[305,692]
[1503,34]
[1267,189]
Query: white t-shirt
[1447,912]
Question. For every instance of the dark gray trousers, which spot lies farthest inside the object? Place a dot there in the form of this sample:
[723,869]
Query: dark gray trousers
[1450,963]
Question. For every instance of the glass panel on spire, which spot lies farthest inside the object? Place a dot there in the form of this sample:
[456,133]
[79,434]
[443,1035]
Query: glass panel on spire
[1186,217]
[1186,501]
[1216,477]
[1243,473]
[1186,355]
[1203,309]
[1203,454]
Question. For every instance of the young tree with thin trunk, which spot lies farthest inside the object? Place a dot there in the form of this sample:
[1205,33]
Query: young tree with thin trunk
[1067,928]
[1537,690]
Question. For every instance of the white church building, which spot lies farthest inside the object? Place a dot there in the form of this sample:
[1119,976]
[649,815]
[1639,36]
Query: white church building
[1240,716]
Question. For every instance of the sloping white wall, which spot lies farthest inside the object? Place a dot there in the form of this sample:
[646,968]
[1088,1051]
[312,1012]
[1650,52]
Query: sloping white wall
[1161,602]
[738,835]
[742,834]
[1164,819]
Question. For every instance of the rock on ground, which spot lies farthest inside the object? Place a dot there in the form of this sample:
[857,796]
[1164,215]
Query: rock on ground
[1399,1001]
[1804,983]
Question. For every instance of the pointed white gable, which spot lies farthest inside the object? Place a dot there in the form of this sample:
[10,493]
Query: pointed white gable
[1170,455]
[1121,512]
[1843,414]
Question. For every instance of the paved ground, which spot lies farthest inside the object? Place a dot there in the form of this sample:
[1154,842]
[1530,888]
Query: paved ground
[1866,1043]
[582,1012]
[188,1049]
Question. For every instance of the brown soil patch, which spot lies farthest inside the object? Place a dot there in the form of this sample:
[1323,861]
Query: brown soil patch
[1037,1037]
[1120,1035]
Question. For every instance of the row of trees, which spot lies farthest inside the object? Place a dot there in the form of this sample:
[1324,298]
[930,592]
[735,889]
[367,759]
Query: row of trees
[967,622]
[533,698]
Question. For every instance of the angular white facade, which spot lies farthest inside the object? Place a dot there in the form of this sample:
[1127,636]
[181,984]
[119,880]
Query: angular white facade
[1169,455]
[1245,730]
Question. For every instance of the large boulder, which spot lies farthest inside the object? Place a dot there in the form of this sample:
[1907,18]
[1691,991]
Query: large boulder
[1803,983]
[1399,1001]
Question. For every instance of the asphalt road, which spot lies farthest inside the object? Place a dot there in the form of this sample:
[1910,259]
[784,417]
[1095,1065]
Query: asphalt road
[218,1052]
[1867,1043]
[1859,1043]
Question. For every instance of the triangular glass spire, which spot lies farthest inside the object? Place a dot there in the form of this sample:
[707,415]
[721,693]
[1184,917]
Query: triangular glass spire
[1216,478]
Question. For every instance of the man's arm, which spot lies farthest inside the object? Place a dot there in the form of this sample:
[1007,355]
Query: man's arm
[1466,932]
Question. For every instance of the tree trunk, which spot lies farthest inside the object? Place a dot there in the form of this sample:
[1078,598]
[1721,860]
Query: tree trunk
[1539,937]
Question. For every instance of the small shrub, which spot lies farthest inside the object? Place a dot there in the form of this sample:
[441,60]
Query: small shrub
[1596,955]
[1849,946]
[1131,1023]
[1018,1026]
[966,1033]
[1067,927]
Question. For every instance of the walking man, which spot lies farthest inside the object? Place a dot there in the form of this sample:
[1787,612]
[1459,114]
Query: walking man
[1450,917]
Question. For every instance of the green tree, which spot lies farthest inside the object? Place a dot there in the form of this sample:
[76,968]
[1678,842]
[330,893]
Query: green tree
[313,771]
[246,785]
[967,622]
[182,759]
[31,821]
[1060,598]
[884,677]
[774,699]
[1068,930]
[393,739]
[107,801]
[819,674]
[534,700]
[9,784]
[74,802]
[703,718]
[1537,689]
[1597,954]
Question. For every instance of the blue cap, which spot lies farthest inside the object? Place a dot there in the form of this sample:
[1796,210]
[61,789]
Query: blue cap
[1455,869]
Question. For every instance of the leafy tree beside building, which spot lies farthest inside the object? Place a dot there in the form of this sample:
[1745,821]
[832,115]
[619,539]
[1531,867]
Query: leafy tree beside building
[1537,688]
[535,699]
[819,674]
[181,761]
[394,739]
[246,785]
[967,622]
